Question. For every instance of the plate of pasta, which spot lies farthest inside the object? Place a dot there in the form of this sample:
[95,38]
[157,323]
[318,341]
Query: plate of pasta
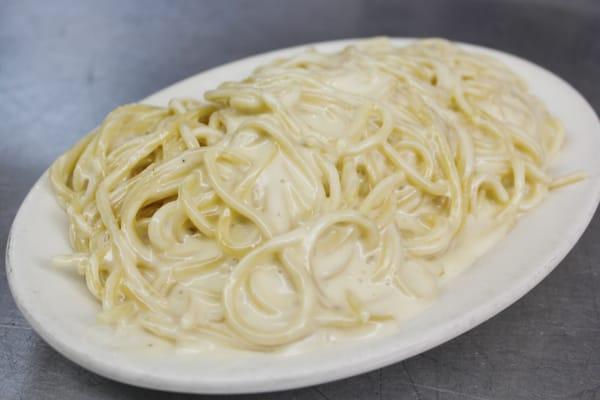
[305,215]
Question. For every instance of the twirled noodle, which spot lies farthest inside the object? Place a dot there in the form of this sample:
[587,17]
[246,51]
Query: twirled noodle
[322,195]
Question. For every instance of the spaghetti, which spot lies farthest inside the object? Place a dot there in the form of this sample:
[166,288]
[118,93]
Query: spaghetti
[320,194]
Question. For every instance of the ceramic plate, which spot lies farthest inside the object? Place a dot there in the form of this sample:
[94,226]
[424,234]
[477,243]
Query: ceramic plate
[60,309]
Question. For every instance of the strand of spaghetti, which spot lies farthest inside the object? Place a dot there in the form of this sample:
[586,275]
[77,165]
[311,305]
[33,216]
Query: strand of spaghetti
[299,276]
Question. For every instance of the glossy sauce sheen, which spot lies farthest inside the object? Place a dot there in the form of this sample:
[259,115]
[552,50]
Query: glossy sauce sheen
[327,197]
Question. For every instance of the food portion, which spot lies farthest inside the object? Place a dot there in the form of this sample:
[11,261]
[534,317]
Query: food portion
[323,197]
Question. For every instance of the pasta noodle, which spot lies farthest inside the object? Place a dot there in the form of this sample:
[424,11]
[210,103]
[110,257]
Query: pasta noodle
[323,193]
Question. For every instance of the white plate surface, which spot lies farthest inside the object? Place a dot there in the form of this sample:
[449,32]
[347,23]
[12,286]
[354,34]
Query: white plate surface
[59,308]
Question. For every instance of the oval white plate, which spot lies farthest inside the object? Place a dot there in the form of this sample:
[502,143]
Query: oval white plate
[59,308]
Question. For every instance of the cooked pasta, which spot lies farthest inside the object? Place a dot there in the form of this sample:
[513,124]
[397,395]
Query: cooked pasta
[320,194]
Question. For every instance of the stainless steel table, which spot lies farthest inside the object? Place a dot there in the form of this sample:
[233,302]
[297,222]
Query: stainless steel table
[65,64]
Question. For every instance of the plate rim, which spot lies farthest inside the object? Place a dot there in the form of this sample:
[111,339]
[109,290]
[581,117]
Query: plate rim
[439,334]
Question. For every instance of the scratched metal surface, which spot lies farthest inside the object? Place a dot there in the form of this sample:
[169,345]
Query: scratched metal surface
[65,64]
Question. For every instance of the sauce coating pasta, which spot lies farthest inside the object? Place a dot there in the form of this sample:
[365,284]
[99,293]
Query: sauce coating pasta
[324,195]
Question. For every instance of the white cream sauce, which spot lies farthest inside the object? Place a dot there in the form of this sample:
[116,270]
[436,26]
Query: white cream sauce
[326,134]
